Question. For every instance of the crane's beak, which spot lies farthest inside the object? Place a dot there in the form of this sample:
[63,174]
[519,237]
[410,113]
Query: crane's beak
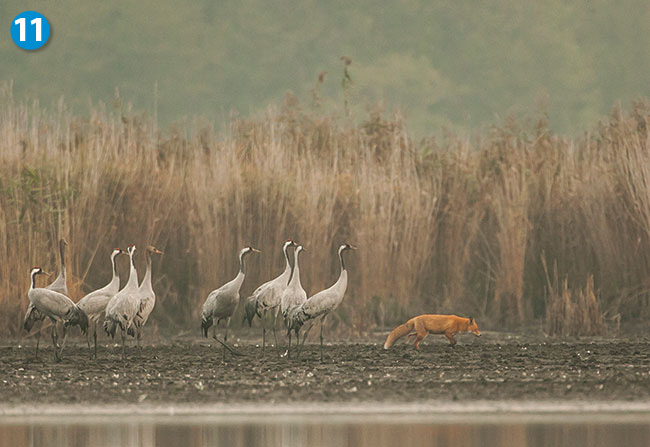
[45,273]
[158,252]
[255,250]
[353,247]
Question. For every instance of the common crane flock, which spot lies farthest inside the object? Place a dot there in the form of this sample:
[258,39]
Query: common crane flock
[128,309]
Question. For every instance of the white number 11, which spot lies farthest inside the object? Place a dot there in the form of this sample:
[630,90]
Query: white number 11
[21,23]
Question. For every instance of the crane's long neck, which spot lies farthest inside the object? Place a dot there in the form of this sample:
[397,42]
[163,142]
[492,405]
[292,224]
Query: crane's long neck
[287,269]
[62,252]
[33,283]
[133,273]
[242,264]
[343,277]
[114,266]
[239,279]
[146,281]
[295,275]
[116,277]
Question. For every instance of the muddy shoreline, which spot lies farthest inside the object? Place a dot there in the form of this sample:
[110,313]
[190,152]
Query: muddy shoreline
[190,371]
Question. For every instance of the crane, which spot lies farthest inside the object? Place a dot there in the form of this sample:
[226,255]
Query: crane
[32,315]
[147,295]
[222,302]
[122,308]
[57,307]
[267,296]
[322,303]
[294,295]
[94,304]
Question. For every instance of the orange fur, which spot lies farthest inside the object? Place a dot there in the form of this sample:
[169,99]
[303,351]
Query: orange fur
[420,326]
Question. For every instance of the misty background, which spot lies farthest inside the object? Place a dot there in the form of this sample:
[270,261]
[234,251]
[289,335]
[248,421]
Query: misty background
[463,65]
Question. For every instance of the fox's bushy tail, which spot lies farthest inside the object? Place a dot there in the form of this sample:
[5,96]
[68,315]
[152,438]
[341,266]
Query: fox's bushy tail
[399,332]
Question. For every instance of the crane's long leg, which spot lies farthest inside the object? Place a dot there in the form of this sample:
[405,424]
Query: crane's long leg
[65,335]
[138,335]
[223,347]
[304,338]
[289,347]
[321,337]
[55,338]
[263,332]
[123,332]
[225,338]
[38,335]
[95,337]
[88,339]
[275,335]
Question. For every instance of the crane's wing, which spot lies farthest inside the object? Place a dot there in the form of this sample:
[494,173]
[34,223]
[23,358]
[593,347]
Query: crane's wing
[51,303]
[319,304]
[94,304]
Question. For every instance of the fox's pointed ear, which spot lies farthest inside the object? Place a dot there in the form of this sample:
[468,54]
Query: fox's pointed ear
[471,320]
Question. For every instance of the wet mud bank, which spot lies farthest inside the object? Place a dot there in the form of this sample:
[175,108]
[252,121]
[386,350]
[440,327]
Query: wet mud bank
[193,372]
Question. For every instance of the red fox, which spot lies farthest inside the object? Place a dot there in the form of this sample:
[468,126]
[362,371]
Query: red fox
[421,325]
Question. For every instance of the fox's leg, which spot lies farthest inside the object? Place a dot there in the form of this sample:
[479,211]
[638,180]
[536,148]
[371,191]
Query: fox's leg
[410,336]
[450,336]
[421,332]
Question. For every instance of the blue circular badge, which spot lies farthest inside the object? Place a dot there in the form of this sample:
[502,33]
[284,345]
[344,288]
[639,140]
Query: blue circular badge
[30,30]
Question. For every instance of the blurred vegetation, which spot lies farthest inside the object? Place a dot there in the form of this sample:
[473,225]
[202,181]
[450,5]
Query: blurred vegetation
[460,65]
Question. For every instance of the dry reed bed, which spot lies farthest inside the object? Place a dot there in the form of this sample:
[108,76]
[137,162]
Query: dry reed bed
[451,226]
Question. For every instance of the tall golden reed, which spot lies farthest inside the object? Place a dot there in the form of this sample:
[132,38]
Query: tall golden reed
[452,225]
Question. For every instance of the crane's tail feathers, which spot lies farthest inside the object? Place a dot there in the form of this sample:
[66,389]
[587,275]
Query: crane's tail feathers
[205,325]
[397,333]
[31,317]
[110,326]
[297,318]
[250,310]
[77,317]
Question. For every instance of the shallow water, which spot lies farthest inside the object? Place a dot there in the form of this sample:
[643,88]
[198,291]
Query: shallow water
[528,430]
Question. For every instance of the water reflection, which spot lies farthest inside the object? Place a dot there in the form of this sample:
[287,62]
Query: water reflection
[316,433]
